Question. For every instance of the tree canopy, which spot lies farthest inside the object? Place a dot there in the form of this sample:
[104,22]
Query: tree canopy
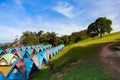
[41,37]
[100,26]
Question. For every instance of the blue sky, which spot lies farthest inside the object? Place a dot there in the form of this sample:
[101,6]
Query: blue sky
[60,16]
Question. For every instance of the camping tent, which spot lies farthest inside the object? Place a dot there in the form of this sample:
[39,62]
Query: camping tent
[2,52]
[22,69]
[48,54]
[25,54]
[18,54]
[7,59]
[51,53]
[60,47]
[44,55]
[38,60]
[55,50]
[10,50]
[5,63]
[43,48]
[48,46]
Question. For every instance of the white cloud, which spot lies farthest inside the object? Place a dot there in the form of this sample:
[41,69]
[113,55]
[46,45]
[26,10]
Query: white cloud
[66,9]
[109,9]
[8,33]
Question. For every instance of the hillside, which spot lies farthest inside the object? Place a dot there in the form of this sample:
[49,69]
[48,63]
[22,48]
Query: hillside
[80,61]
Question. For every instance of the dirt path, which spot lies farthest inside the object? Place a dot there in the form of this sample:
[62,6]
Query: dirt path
[107,56]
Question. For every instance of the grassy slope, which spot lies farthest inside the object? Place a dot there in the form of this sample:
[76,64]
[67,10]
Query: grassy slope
[92,68]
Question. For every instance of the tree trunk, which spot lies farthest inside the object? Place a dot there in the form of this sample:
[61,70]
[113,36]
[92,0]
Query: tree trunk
[100,35]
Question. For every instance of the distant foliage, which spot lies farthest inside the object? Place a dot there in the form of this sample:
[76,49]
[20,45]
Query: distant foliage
[4,47]
[31,38]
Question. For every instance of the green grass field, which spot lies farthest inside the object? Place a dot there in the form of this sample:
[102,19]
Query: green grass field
[91,68]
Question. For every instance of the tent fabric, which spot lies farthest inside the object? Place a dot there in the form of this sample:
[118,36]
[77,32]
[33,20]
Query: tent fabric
[43,48]
[8,58]
[16,75]
[44,55]
[18,54]
[27,52]
[60,47]
[2,77]
[48,54]
[22,67]
[11,50]
[24,54]
[51,53]
[2,52]
[55,51]
[4,70]
[38,60]
[34,58]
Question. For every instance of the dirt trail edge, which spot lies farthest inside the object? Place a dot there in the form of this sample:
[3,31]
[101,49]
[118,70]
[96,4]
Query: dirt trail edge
[107,56]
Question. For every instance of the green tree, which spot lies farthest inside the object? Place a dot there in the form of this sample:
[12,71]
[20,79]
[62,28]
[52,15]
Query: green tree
[66,39]
[100,26]
[40,32]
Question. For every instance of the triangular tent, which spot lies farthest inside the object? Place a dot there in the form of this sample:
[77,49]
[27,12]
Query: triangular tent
[48,54]
[8,59]
[2,52]
[38,60]
[44,55]
[23,68]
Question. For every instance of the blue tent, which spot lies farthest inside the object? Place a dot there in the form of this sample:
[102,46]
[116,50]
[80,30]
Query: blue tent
[51,53]
[22,69]
[55,50]
[60,47]
[44,55]
[38,60]
[11,50]
[26,48]
[43,48]
[2,77]
[25,54]
[48,46]
[2,52]
[19,48]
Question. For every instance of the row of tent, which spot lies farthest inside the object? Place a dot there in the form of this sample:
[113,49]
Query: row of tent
[20,63]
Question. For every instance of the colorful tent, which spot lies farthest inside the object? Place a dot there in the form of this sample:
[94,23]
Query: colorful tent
[51,53]
[48,46]
[38,60]
[7,59]
[10,50]
[55,50]
[48,54]
[43,48]
[44,55]
[22,70]
[18,54]
[2,52]
[25,54]
[5,63]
